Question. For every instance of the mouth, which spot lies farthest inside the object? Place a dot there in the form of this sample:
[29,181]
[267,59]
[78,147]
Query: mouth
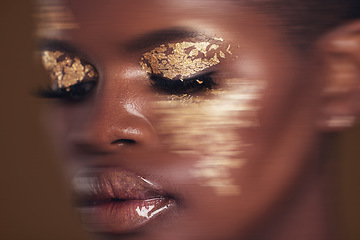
[112,200]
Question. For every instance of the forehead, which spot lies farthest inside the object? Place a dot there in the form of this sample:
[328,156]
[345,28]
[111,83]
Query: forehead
[121,20]
[103,29]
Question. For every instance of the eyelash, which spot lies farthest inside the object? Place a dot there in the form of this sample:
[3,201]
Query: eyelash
[79,91]
[185,86]
[76,92]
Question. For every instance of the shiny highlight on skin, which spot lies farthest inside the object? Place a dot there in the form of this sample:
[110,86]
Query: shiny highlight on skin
[66,70]
[183,59]
[188,125]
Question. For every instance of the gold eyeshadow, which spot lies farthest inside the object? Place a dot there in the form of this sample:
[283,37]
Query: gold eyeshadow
[66,70]
[183,59]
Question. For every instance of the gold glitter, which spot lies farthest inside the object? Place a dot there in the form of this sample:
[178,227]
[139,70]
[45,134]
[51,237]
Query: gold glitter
[180,60]
[222,55]
[209,129]
[228,50]
[199,81]
[65,70]
[214,47]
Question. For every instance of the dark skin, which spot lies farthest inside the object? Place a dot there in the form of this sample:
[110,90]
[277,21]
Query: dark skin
[279,192]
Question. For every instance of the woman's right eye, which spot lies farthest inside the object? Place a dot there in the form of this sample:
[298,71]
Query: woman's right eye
[75,92]
[71,77]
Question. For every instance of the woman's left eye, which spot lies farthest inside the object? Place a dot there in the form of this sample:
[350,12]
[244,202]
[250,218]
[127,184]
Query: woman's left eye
[184,86]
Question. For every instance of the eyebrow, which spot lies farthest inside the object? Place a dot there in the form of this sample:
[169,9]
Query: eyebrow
[158,37]
[141,42]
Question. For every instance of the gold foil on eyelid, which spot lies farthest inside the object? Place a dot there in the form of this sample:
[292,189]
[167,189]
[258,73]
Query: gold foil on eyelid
[222,54]
[228,50]
[66,71]
[181,60]
[219,39]
[214,47]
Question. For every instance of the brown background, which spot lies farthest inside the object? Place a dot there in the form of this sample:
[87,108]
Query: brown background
[33,201]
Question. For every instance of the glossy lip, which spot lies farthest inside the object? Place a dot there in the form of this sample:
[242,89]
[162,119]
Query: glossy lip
[113,200]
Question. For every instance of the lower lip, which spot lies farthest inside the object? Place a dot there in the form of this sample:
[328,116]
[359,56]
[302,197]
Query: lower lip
[123,216]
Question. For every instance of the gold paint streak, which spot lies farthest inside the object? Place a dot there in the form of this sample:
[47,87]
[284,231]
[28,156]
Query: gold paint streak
[208,128]
[52,17]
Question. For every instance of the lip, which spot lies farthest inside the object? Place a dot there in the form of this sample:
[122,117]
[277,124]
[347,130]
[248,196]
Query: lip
[113,200]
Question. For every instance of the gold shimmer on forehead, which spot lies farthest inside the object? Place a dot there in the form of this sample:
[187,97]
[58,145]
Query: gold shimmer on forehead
[66,70]
[183,59]
[210,130]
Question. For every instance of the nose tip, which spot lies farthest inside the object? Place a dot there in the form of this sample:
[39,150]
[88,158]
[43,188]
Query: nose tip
[131,136]
[111,128]
[116,117]
[111,139]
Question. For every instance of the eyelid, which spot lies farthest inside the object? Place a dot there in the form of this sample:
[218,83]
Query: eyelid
[182,59]
[66,69]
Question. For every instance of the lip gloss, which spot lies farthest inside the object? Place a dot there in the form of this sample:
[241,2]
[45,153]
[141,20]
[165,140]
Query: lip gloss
[113,200]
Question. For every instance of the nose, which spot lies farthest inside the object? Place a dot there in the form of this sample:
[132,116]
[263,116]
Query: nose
[115,118]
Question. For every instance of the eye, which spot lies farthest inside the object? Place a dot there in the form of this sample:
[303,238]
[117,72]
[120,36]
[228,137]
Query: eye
[178,68]
[71,77]
[75,92]
[185,86]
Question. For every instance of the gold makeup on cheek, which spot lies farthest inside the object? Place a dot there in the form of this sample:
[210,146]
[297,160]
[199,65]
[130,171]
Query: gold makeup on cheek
[66,70]
[210,129]
[182,60]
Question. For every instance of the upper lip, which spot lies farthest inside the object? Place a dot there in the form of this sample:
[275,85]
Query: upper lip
[96,185]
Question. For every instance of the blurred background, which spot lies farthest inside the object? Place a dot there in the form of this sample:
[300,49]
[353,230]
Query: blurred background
[33,201]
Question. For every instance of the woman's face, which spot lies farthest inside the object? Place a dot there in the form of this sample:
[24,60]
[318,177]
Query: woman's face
[199,121]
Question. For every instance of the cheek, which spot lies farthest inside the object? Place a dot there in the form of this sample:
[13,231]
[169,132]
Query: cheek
[63,123]
[211,131]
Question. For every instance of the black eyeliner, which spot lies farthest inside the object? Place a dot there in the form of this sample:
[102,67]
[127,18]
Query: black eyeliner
[75,92]
[189,85]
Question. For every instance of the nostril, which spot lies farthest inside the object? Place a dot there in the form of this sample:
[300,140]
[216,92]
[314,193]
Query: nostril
[123,141]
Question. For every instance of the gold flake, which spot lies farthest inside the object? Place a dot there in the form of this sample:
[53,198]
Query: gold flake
[214,47]
[66,70]
[221,54]
[180,60]
[228,50]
